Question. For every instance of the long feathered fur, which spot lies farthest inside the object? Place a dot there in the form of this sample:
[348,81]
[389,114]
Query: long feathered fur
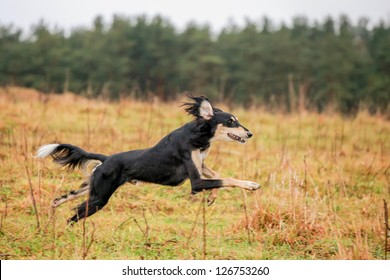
[194,108]
[68,156]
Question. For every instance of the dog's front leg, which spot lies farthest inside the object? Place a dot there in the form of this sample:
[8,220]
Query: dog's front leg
[209,173]
[198,173]
[194,168]
[246,185]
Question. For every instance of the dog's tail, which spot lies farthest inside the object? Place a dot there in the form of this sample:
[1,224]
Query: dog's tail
[68,155]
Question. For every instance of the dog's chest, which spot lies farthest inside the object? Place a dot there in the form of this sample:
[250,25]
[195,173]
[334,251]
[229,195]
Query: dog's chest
[203,154]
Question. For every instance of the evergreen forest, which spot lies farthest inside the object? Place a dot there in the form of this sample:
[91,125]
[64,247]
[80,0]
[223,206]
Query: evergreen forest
[329,64]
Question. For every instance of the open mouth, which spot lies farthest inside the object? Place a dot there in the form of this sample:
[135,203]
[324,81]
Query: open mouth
[236,138]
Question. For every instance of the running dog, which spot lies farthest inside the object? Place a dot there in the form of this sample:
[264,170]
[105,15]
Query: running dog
[178,156]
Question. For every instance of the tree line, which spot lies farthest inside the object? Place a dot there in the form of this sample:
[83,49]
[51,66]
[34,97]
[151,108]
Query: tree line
[330,64]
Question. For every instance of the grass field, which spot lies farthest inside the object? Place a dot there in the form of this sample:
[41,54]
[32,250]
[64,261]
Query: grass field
[323,177]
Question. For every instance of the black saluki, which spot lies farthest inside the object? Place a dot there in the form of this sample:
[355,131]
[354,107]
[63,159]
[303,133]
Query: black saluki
[178,156]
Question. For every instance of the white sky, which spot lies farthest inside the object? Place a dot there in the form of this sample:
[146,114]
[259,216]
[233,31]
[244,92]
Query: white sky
[68,14]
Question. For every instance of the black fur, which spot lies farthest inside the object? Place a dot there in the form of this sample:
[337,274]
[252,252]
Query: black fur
[170,162]
[193,108]
[73,157]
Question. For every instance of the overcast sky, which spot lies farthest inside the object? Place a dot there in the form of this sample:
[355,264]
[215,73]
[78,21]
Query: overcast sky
[68,14]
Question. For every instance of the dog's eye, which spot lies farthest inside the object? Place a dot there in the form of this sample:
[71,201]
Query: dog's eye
[231,122]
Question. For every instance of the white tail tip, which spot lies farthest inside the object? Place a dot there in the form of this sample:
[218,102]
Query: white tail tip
[46,150]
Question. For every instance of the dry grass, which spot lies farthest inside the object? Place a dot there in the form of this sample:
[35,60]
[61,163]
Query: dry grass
[324,180]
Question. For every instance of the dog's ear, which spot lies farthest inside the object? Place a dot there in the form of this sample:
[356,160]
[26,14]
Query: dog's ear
[201,108]
[216,110]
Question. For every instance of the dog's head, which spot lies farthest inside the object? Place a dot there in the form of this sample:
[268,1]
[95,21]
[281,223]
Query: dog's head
[224,126]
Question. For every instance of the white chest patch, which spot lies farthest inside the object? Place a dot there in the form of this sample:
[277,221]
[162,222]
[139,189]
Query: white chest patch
[203,155]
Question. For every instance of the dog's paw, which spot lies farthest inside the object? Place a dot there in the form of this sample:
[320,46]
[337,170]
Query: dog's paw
[212,197]
[54,203]
[252,186]
[210,200]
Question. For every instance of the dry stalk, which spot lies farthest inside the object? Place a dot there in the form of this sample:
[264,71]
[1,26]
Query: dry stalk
[387,228]
[150,122]
[145,232]
[204,224]
[33,198]
[53,218]
[39,179]
[194,225]
[243,195]
[387,176]
[88,129]
[247,227]
[305,178]
[284,150]
[124,222]
[83,245]
[4,215]
[147,228]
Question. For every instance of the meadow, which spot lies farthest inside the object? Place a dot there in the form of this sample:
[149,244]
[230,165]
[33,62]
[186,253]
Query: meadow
[324,181]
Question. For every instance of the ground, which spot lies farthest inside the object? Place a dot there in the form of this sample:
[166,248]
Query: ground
[324,181]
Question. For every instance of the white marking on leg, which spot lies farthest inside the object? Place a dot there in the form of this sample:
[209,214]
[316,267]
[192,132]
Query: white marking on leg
[247,185]
[72,195]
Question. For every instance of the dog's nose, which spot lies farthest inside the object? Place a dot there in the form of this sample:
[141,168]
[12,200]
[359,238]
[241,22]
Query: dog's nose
[249,134]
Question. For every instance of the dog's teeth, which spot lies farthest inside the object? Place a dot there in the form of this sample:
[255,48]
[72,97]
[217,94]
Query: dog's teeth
[237,138]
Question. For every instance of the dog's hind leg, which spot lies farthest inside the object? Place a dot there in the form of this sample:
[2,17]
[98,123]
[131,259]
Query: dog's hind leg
[88,208]
[84,189]
[104,183]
